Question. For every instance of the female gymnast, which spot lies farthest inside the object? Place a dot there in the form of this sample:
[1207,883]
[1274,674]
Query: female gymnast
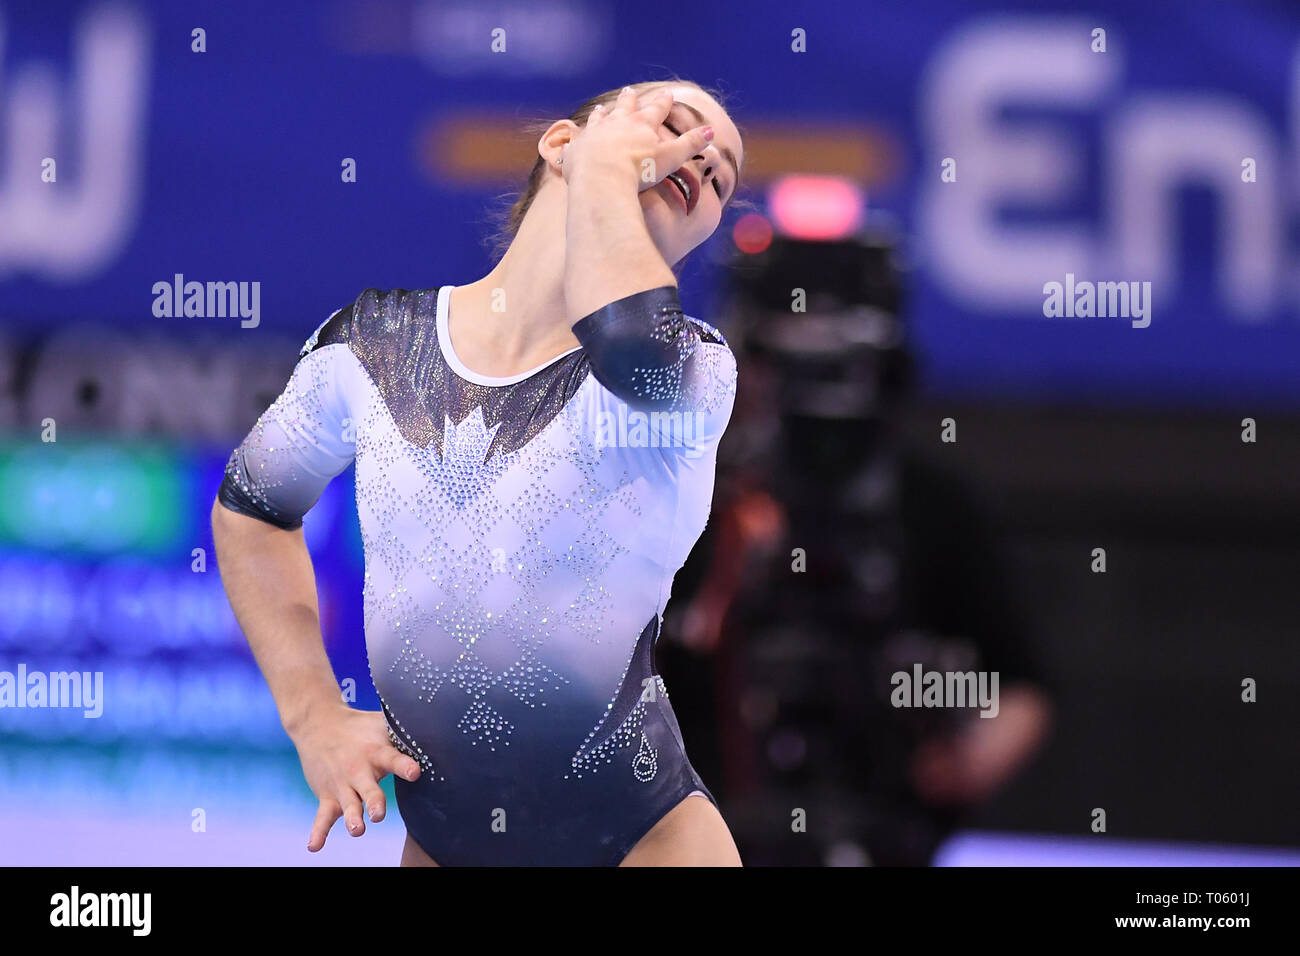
[535,458]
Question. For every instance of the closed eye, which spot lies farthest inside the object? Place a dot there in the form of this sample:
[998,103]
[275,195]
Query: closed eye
[717,186]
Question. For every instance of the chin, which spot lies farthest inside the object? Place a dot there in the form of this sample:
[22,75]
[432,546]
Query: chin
[665,229]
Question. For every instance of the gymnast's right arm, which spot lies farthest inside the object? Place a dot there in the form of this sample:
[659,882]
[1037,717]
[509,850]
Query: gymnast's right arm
[299,444]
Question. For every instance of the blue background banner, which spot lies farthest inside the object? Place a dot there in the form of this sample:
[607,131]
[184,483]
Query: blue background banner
[1117,165]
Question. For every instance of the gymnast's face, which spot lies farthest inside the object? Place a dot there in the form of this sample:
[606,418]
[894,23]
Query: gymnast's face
[675,231]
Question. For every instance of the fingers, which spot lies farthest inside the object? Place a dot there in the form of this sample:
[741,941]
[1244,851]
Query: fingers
[374,798]
[679,151]
[400,765]
[676,153]
[655,108]
[326,814]
[627,99]
[658,105]
[350,789]
[673,154]
[365,787]
[364,796]
[353,813]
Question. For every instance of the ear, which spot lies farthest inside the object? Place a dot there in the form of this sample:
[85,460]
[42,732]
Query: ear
[553,140]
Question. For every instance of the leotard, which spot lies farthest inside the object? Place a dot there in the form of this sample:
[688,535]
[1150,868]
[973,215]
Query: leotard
[521,536]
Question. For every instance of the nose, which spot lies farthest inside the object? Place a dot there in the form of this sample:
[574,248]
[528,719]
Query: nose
[710,167]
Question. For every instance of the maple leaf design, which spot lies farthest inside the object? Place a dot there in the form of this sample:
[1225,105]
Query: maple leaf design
[465,446]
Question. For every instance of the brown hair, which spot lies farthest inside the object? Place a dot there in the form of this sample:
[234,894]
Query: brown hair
[507,223]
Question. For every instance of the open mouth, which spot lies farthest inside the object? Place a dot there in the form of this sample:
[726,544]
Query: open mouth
[675,190]
[685,186]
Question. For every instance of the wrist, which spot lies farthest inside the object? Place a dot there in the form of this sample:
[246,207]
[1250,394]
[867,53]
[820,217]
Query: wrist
[310,712]
[601,174]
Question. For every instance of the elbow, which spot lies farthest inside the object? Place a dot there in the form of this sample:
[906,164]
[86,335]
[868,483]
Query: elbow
[640,388]
[644,350]
[637,347]
[639,364]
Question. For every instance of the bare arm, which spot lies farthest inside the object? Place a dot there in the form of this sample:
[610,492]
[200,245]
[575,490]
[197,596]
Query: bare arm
[608,250]
[620,296]
[272,479]
[268,576]
[609,253]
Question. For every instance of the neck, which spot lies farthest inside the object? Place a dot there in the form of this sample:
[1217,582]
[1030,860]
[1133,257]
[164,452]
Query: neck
[515,317]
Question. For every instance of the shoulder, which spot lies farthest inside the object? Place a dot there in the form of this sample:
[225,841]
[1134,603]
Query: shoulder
[393,314]
[376,315]
[717,359]
[393,306]
[711,388]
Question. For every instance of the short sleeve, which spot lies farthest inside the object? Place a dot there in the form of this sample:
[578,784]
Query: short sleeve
[304,439]
[676,370]
[709,394]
